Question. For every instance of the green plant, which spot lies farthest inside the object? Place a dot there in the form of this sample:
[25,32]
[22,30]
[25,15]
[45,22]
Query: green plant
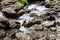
[0,0]
[22,1]
[58,0]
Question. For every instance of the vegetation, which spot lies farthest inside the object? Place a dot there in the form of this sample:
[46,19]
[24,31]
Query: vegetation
[58,0]
[0,0]
[22,1]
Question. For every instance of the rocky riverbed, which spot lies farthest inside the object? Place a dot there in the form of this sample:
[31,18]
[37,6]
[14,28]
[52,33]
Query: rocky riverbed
[35,21]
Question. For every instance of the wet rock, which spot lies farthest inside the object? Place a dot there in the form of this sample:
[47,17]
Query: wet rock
[38,19]
[2,33]
[33,15]
[45,28]
[8,24]
[5,25]
[22,11]
[14,24]
[58,35]
[58,29]
[17,6]
[11,3]
[42,3]
[22,36]
[32,23]
[37,34]
[10,9]
[39,29]
[53,29]
[9,13]
[11,32]
[19,34]
[58,39]
[47,5]
[51,18]
[7,38]
[49,24]
[52,37]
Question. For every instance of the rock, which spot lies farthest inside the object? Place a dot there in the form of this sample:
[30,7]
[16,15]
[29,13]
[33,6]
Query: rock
[11,32]
[5,25]
[51,18]
[58,29]
[19,34]
[22,36]
[22,11]
[49,24]
[33,15]
[52,37]
[11,3]
[7,38]
[38,19]
[45,28]
[37,34]
[14,24]
[9,10]
[58,35]
[39,29]
[2,34]
[9,13]
[17,6]
[32,23]
[58,39]
[47,5]
[53,29]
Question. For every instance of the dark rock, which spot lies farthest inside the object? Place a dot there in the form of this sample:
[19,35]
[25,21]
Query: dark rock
[2,34]
[11,9]
[51,18]
[32,23]
[5,25]
[53,29]
[8,24]
[35,1]
[42,3]
[14,24]
[47,5]
[11,32]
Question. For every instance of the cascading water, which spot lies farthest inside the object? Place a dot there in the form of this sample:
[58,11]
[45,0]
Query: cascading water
[36,9]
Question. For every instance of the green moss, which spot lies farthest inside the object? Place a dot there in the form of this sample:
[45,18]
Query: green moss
[58,0]
[51,2]
[22,1]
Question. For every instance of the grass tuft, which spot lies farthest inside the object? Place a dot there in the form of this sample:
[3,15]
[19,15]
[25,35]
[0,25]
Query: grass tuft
[22,1]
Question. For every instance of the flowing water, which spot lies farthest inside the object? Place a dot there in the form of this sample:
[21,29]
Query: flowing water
[35,9]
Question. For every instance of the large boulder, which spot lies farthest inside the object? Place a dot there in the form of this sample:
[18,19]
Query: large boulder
[11,8]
